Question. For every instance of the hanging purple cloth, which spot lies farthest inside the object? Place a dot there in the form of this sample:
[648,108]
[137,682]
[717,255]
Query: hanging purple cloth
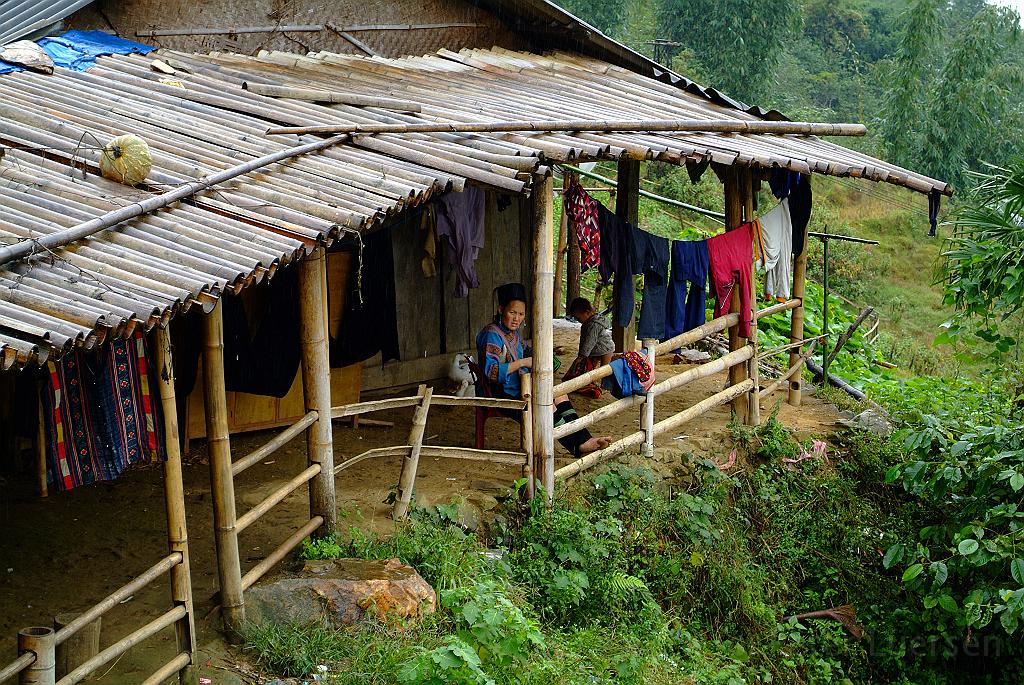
[460,226]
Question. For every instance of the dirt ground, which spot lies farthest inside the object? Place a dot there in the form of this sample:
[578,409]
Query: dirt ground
[70,550]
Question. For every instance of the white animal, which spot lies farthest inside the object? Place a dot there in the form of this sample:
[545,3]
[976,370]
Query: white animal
[462,379]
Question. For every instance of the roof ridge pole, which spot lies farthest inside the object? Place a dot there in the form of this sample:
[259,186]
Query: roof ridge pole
[222,485]
[543,372]
[174,497]
[50,241]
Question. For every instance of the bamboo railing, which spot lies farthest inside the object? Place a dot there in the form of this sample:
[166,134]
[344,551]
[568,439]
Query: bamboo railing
[414,448]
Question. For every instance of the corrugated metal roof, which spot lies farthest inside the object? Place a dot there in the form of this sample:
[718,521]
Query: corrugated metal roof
[22,17]
[200,120]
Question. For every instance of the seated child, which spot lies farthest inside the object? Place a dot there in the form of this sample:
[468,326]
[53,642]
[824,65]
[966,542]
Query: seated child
[596,346]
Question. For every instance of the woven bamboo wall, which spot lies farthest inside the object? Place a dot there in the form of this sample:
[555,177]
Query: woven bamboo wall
[125,17]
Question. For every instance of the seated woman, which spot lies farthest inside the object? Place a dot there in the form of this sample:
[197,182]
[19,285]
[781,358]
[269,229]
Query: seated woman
[503,359]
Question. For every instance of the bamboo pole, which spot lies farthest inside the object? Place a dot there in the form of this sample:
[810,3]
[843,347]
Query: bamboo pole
[15,667]
[331,96]
[560,254]
[753,371]
[282,550]
[796,325]
[174,498]
[575,125]
[543,332]
[776,308]
[274,444]
[63,237]
[316,387]
[733,219]
[411,462]
[273,499]
[42,481]
[229,30]
[218,440]
[792,370]
[627,209]
[647,417]
[526,429]
[847,334]
[40,642]
[173,666]
[664,426]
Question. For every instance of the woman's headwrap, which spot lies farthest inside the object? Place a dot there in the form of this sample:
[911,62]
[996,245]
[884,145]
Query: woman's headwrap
[510,292]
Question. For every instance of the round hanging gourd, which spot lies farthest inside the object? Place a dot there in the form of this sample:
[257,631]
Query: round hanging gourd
[126,159]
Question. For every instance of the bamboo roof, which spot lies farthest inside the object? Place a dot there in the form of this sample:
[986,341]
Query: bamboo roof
[200,120]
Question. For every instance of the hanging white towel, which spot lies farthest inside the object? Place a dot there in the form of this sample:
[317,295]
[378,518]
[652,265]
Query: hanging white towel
[777,231]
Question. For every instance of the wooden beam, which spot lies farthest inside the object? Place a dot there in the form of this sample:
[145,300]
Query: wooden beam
[560,255]
[752,371]
[174,500]
[627,208]
[331,96]
[222,486]
[796,324]
[543,373]
[411,462]
[316,387]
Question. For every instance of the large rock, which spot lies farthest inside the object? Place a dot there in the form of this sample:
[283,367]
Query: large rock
[869,420]
[342,592]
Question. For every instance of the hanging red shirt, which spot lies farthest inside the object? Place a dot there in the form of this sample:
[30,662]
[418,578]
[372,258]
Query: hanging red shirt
[731,257]
[582,210]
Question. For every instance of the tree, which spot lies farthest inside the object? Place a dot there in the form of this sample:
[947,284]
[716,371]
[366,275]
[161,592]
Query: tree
[737,42]
[607,15]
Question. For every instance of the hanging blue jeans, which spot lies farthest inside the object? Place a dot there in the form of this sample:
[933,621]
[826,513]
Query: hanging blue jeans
[686,303]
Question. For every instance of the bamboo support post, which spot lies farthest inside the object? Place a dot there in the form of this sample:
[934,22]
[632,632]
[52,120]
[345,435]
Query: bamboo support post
[274,444]
[41,642]
[43,483]
[581,125]
[293,540]
[526,428]
[543,332]
[627,209]
[174,496]
[115,650]
[273,499]
[753,371]
[796,325]
[647,416]
[663,426]
[407,477]
[229,570]
[733,219]
[316,386]
[335,97]
[573,275]
[560,253]
[78,648]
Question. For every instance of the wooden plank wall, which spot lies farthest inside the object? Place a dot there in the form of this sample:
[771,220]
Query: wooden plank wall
[425,306]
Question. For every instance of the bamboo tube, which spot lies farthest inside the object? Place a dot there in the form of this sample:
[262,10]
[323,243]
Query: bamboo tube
[12,669]
[541,326]
[764,354]
[276,443]
[293,540]
[39,642]
[218,440]
[65,236]
[123,645]
[44,486]
[600,414]
[335,97]
[796,325]
[611,126]
[359,408]
[627,209]
[705,370]
[560,254]
[174,497]
[753,371]
[526,430]
[847,334]
[118,596]
[647,416]
[79,648]
[488,402]
[776,308]
[229,30]
[407,477]
[573,274]
[173,666]
[733,219]
[316,386]
[699,333]
[273,499]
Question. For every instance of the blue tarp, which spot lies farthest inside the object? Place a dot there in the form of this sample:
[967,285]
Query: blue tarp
[78,50]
